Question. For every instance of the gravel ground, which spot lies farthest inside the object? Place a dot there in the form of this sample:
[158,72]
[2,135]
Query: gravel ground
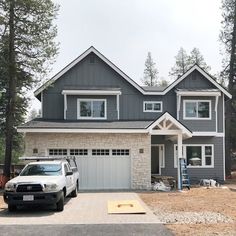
[192,217]
[200,211]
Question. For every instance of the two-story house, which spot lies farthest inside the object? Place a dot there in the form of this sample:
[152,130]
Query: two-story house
[121,133]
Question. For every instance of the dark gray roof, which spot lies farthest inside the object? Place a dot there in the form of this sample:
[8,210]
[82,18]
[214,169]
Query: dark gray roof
[61,124]
[154,88]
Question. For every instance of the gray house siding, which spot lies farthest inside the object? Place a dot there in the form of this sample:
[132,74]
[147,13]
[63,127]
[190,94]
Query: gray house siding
[199,125]
[100,75]
[217,172]
[195,81]
[72,106]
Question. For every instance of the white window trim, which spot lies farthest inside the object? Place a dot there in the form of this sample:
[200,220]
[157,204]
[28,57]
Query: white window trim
[196,118]
[91,100]
[152,102]
[203,155]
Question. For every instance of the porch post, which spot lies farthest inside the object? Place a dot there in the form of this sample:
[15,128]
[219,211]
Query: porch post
[180,145]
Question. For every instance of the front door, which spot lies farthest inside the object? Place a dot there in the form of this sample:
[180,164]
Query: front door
[155,163]
[157,158]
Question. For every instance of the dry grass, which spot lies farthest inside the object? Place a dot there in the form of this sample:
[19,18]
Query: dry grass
[197,200]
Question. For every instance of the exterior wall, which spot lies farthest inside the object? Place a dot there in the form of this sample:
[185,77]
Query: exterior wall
[140,162]
[195,81]
[199,125]
[217,172]
[72,106]
[99,75]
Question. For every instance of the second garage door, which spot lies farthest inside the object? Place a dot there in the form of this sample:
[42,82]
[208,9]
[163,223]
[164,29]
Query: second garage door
[104,168]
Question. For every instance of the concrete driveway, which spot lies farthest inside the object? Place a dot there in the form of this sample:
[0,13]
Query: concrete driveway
[87,208]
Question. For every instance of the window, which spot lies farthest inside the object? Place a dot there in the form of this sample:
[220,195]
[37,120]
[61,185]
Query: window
[78,152]
[100,152]
[197,109]
[152,106]
[57,152]
[120,152]
[91,108]
[196,155]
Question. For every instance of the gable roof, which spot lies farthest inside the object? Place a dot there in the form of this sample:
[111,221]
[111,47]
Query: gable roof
[168,117]
[143,90]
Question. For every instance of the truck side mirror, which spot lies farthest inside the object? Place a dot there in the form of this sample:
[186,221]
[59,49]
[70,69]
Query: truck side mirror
[69,173]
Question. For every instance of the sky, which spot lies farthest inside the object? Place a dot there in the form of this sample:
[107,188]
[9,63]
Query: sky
[126,30]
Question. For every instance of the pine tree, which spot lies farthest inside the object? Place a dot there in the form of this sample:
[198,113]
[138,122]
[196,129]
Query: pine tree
[184,62]
[228,38]
[196,57]
[27,48]
[150,72]
[181,64]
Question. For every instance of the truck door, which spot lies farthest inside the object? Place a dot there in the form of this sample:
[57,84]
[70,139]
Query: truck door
[69,179]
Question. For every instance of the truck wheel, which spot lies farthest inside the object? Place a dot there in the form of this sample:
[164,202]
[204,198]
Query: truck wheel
[75,191]
[60,203]
[11,208]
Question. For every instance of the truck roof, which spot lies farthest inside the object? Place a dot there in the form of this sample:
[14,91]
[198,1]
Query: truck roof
[48,162]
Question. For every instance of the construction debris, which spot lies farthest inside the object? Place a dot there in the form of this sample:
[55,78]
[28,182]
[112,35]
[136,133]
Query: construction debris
[160,186]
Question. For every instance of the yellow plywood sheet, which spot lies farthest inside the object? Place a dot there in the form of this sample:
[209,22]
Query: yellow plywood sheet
[125,207]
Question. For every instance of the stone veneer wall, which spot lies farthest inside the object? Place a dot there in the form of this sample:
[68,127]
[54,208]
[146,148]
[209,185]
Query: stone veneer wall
[140,162]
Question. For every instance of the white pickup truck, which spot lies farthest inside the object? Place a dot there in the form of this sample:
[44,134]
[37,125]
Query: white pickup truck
[43,182]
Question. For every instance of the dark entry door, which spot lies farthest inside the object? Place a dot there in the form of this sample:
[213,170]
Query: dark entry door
[155,163]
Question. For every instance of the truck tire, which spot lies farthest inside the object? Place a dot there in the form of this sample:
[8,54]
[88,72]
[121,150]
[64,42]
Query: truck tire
[75,191]
[11,207]
[60,203]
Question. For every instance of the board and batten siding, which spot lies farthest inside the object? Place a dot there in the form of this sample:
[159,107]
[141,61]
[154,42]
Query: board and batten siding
[97,75]
[199,125]
[217,172]
[72,106]
[100,75]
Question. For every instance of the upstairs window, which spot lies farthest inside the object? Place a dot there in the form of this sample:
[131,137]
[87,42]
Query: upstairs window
[197,110]
[92,109]
[152,106]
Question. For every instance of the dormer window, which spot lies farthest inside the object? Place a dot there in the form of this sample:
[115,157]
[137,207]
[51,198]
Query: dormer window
[92,109]
[197,109]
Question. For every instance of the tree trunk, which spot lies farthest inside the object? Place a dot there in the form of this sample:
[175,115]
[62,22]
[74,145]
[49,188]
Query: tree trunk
[229,107]
[11,94]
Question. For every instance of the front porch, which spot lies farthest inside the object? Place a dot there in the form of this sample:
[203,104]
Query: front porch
[165,133]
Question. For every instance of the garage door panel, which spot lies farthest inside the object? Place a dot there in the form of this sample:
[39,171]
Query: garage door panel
[104,172]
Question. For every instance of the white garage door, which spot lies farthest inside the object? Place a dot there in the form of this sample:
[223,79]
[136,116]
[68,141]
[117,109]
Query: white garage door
[103,168]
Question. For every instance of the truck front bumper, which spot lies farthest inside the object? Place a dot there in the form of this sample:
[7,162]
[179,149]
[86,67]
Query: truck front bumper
[31,198]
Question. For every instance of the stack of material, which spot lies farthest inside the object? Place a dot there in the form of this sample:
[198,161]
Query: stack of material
[168,181]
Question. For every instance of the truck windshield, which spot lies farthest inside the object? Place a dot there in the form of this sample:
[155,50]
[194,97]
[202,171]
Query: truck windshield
[42,169]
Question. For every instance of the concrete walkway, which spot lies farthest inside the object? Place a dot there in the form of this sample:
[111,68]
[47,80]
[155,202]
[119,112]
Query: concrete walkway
[87,208]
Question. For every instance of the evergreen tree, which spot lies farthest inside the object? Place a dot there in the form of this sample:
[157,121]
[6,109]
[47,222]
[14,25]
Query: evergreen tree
[27,48]
[228,38]
[196,57]
[184,62]
[181,64]
[150,72]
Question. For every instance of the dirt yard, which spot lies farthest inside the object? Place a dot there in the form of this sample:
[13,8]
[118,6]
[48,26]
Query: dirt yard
[215,205]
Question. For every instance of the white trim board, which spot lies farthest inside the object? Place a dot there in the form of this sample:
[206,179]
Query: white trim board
[205,134]
[59,130]
[127,78]
[91,92]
